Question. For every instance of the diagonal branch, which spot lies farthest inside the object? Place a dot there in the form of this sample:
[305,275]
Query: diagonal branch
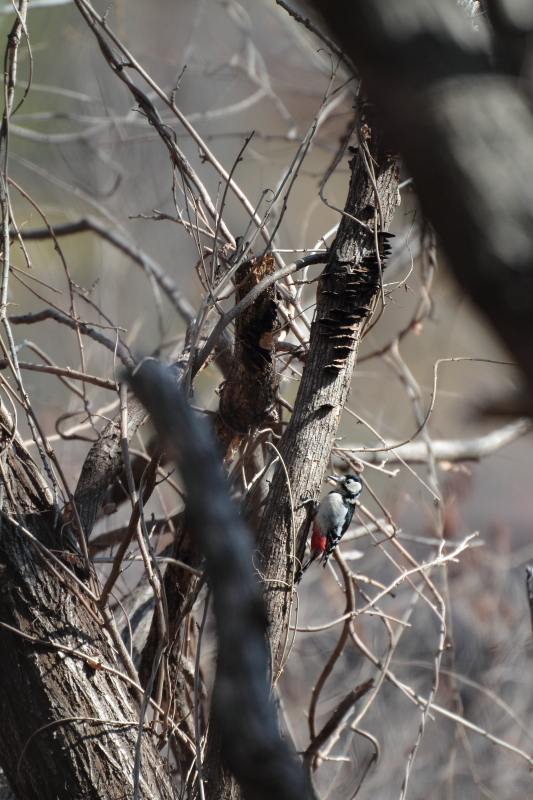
[344,708]
[251,740]
[105,462]
[248,299]
[58,316]
[44,615]
[247,403]
[131,249]
[145,104]
[321,35]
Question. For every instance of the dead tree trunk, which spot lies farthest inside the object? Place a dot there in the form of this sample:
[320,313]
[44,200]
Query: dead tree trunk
[347,292]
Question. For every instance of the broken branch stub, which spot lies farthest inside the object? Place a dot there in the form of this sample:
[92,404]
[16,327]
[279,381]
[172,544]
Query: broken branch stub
[247,397]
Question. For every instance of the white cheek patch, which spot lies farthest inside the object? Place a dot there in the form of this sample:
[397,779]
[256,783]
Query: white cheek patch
[354,486]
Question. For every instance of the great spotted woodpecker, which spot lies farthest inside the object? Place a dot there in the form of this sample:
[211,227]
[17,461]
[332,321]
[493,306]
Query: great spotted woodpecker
[332,518]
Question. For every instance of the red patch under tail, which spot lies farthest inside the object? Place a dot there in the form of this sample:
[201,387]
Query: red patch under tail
[318,543]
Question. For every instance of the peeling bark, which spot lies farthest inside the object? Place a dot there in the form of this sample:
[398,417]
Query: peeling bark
[248,394]
[247,402]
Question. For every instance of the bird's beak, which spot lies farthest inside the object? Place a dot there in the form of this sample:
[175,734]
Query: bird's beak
[332,480]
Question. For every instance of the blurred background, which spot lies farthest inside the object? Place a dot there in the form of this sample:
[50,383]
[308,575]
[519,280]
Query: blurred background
[78,147]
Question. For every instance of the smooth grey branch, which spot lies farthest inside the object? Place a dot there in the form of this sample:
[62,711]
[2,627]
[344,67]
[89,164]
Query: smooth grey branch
[452,449]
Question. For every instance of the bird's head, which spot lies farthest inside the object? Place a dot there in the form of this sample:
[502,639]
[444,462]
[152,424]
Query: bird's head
[348,485]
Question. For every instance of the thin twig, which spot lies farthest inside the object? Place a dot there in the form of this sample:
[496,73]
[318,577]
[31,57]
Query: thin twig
[321,35]
[131,249]
[198,739]
[341,712]
[65,372]
[58,316]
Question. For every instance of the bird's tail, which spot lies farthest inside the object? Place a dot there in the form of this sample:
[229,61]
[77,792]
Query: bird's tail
[305,566]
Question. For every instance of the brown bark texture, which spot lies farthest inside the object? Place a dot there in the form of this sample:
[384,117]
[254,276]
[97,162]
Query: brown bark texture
[247,402]
[103,464]
[69,725]
[248,394]
[181,590]
[347,292]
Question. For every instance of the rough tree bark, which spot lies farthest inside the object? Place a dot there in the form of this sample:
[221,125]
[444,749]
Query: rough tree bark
[104,462]
[347,291]
[467,135]
[246,403]
[181,590]
[247,397]
[68,619]
[69,724]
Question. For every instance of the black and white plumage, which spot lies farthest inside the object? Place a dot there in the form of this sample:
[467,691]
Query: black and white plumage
[332,518]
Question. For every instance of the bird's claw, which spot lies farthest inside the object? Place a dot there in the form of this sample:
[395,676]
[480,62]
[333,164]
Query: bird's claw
[308,501]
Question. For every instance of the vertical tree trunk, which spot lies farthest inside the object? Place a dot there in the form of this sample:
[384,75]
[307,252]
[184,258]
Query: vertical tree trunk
[347,291]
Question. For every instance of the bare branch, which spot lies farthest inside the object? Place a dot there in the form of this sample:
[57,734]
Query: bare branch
[58,316]
[65,372]
[346,297]
[343,709]
[321,35]
[149,485]
[151,267]
[450,449]
[102,464]
[314,258]
[529,589]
